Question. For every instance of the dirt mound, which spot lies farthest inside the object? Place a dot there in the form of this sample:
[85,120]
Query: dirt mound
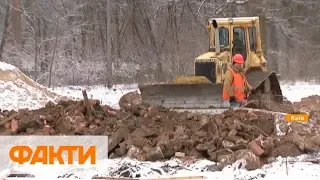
[153,133]
[18,90]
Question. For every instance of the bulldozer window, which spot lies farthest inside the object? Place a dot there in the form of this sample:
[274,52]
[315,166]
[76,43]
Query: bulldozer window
[252,38]
[223,36]
[239,42]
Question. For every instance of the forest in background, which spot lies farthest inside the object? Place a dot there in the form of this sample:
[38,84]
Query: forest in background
[66,42]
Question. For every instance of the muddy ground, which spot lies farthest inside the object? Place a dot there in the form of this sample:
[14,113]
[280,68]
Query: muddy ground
[155,133]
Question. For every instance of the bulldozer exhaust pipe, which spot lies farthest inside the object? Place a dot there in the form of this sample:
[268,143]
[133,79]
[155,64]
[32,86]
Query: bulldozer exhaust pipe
[217,38]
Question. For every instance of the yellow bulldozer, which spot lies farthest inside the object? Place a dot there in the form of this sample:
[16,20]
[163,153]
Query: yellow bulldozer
[203,90]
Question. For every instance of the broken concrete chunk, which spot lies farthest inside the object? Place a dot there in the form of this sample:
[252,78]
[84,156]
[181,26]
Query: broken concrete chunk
[255,148]
[315,140]
[117,137]
[227,144]
[286,149]
[154,154]
[136,153]
[180,154]
[14,125]
[252,161]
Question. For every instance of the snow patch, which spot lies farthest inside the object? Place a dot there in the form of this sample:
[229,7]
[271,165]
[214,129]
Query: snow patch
[106,96]
[18,91]
[284,168]
[298,90]
[5,67]
[19,95]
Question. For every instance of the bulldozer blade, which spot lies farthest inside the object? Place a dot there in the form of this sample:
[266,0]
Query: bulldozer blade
[265,82]
[184,96]
[206,98]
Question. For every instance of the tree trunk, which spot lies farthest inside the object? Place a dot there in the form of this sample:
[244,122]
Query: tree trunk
[5,31]
[53,54]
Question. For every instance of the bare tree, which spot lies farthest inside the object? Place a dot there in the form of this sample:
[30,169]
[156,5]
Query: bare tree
[127,41]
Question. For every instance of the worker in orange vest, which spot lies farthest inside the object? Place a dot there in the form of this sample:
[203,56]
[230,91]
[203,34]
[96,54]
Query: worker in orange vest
[236,86]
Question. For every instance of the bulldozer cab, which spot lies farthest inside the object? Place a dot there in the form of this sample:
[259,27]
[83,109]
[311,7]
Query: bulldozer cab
[227,37]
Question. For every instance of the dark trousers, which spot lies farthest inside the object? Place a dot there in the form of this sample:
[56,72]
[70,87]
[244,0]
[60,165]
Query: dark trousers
[236,104]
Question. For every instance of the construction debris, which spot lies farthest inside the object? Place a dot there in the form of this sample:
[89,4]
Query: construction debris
[153,133]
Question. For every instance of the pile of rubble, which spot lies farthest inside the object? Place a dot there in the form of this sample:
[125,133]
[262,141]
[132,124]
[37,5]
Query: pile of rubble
[144,132]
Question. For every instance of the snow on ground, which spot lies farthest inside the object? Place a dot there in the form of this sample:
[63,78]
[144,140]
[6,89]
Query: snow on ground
[297,90]
[292,168]
[4,67]
[107,96]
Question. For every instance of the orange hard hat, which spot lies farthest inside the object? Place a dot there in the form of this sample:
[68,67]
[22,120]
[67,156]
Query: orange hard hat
[238,58]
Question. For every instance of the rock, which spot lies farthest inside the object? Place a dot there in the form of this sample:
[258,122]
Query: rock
[190,116]
[6,133]
[241,141]
[139,142]
[252,161]
[14,125]
[152,108]
[204,120]
[129,99]
[121,151]
[286,149]
[183,118]
[81,129]
[142,112]
[267,145]
[233,139]
[154,154]
[7,125]
[49,105]
[93,102]
[152,111]
[179,131]
[50,118]
[117,137]
[5,113]
[145,132]
[31,123]
[233,132]
[63,126]
[112,156]
[30,130]
[202,147]
[214,168]
[229,121]
[227,144]
[201,133]
[255,148]
[97,121]
[136,153]
[315,139]
[298,140]
[310,147]
[226,159]
[193,155]
[112,113]
[42,117]
[46,129]
[179,154]
[156,118]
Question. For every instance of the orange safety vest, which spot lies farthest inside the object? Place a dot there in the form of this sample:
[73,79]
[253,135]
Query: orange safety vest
[238,87]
